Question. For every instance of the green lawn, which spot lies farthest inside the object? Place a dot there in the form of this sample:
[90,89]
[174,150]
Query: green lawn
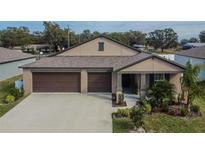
[159,122]
[6,107]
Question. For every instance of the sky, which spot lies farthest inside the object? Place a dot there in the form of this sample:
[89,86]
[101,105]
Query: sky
[184,29]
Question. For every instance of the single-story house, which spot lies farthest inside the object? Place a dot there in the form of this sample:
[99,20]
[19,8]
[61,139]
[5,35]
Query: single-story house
[10,60]
[195,55]
[100,65]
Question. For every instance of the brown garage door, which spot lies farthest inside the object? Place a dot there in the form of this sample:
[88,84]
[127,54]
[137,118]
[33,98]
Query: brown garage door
[56,82]
[99,82]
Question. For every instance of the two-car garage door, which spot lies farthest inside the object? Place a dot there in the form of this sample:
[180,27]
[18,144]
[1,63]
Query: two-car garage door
[70,82]
[56,82]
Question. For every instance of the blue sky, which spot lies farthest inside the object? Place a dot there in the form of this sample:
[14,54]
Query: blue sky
[184,29]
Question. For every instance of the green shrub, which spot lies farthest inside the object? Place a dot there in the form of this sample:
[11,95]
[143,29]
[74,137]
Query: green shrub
[183,112]
[148,108]
[123,123]
[159,91]
[7,86]
[165,106]
[16,93]
[10,99]
[120,98]
[136,115]
[195,108]
[145,105]
[124,112]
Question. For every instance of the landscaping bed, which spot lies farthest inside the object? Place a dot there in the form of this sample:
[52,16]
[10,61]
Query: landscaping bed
[160,110]
[163,122]
[7,92]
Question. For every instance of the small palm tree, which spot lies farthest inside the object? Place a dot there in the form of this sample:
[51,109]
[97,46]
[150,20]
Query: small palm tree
[160,91]
[191,85]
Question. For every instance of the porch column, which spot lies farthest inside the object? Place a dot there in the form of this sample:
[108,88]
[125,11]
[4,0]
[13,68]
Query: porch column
[84,81]
[137,82]
[114,82]
[143,85]
[119,85]
[119,82]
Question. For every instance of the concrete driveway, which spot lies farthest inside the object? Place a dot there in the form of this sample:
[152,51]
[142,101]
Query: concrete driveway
[60,113]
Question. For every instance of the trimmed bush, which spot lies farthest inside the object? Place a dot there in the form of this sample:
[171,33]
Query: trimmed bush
[148,108]
[195,108]
[10,99]
[137,115]
[124,112]
[183,112]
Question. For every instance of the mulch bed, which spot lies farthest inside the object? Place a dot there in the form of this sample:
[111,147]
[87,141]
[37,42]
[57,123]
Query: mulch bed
[114,104]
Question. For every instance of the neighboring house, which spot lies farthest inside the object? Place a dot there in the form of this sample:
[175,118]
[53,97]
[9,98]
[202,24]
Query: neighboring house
[10,60]
[36,48]
[32,48]
[100,65]
[192,45]
[195,55]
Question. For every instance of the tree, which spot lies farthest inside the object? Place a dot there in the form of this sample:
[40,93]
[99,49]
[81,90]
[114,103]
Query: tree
[38,38]
[13,36]
[55,36]
[202,36]
[184,41]
[191,40]
[85,35]
[192,87]
[162,39]
[135,37]
[161,91]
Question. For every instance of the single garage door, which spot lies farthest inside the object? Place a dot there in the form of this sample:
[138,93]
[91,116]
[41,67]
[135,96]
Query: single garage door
[56,82]
[99,82]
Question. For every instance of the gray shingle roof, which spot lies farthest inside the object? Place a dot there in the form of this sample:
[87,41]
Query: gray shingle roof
[114,62]
[194,52]
[7,55]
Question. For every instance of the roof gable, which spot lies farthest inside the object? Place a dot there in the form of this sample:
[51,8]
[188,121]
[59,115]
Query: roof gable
[90,48]
[153,64]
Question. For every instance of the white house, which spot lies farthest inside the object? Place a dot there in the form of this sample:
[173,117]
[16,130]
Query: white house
[10,60]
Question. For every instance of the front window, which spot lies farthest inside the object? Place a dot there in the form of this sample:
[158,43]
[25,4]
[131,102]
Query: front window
[101,46]
[159,77]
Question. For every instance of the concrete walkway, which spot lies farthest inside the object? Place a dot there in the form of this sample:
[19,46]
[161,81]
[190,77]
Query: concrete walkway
[60,113]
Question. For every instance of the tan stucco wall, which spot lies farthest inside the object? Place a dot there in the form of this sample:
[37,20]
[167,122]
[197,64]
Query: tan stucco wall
[175,79]
[27,81]
[152,65]
[84,81]
[91,49]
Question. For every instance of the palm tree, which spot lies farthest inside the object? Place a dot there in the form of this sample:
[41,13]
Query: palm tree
[159,92]
[191,85]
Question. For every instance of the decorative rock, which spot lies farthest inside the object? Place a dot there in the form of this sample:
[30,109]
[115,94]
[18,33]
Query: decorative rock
[141,130]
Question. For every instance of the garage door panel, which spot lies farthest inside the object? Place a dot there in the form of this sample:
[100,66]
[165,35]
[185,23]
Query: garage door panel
[56,82]
[99,82]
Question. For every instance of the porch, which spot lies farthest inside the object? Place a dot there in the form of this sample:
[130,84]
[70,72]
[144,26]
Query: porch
[135,84]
